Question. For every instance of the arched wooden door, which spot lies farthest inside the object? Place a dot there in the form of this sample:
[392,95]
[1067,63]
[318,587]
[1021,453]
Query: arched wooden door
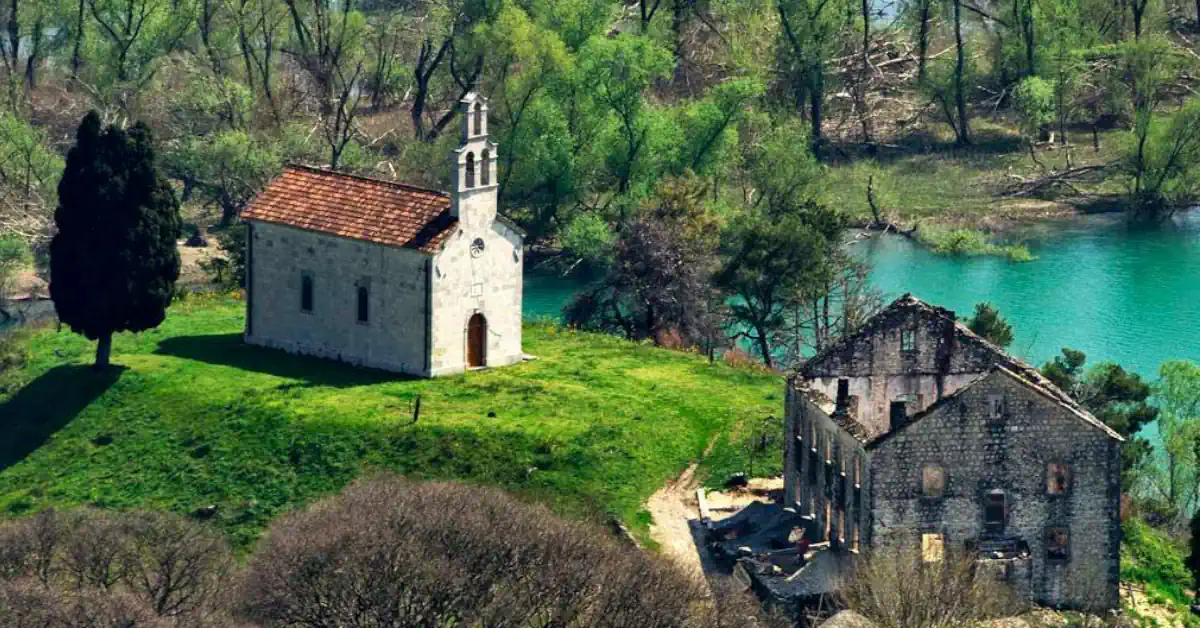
[477,341]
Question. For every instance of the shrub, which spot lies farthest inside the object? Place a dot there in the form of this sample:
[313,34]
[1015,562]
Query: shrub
[1153,558]
[392,553]
[93,568]
[897,589]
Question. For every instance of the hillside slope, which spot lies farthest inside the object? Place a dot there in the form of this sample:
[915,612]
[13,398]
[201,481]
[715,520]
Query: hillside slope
[196,418]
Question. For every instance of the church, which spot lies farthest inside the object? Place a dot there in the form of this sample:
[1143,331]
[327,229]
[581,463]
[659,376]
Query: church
[388,275]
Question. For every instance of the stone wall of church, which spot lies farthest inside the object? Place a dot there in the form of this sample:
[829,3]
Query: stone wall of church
[488,283]
[394,335]
[995,441]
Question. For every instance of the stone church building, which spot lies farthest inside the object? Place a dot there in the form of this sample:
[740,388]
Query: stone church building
[916,433]
[388,275]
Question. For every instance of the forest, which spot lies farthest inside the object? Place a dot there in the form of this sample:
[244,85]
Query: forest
[719,144]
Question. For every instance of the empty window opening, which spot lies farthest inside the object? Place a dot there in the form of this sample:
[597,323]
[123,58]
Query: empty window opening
[364,303]
[908,340]
[933,480]
[995,511]
[841,530]
[478,118]
[933,547]
[1058,543]
[854,535]
[857,471]
[485,167]
[899,413]
[828,448]
[1058,477]
[306,293]
[995,406]
[828,520]
[470,170]
[843,393]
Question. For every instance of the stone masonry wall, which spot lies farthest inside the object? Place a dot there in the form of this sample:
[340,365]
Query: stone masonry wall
[394,336]
[825,473]
[489,284]
[980,453]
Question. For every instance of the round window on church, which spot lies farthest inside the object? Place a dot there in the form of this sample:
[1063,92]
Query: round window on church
[477,247]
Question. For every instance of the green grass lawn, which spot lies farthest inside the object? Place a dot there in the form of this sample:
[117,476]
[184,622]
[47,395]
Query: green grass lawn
[194,417]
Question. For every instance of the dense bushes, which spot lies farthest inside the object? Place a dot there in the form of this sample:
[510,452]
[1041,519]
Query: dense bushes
[386,553]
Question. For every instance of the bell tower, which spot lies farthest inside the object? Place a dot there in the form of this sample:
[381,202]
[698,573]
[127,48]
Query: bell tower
[473,200]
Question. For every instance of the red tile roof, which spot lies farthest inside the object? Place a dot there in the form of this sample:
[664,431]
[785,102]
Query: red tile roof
[355,207]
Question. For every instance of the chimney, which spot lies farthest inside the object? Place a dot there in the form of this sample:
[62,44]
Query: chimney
[899,414]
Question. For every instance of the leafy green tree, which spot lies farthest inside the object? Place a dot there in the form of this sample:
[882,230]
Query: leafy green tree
[113,262]
[1193,559]
[989,324]
[710,126]
[809,31]
[1177,396]
[770,260]
[1119,398]
[617,72]
[227,168]
[14,254]
[1034,100]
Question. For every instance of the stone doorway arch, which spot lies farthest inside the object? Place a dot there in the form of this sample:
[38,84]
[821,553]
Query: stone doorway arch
[477,341]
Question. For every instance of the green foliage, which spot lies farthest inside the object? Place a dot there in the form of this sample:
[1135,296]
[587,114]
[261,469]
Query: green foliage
[989,324]
[14,255]
[1034,100]
[590,238]
[227,168]
[1162,161]
[29,169]
[963,241]
[113,262]
[1151,557]
[229,270]
[1177,397]
[594,425]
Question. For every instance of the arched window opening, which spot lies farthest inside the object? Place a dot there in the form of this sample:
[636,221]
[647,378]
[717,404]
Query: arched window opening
[478,118]
[470,170]
[364,304]
[306,293]
[485,167]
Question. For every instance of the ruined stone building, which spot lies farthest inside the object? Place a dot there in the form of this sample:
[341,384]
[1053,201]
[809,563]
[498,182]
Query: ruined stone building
[388,275]
[916,433]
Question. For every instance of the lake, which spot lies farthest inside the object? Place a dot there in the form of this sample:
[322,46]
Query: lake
[1117,292]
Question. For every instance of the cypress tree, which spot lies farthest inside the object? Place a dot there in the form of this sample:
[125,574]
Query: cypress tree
[113,261]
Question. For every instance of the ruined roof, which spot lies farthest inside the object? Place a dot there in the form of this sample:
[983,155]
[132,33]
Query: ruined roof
[1002,359]
[360,208]
[1071,407]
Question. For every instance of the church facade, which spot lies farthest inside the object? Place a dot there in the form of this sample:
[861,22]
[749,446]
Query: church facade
[387,275]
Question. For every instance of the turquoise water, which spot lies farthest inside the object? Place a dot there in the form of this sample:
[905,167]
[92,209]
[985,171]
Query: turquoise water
[1131,295]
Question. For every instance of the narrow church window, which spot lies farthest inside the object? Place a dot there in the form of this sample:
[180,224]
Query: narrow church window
[485,167]
[363,304]
[1058,475]
[828,521]
[841,531]
[933,480]
[479,120]
[1058,542]
[857,471]
[471,170]
[812,436]
[306,293]
[933,547]
[828,448]
[853,535]
[908,340]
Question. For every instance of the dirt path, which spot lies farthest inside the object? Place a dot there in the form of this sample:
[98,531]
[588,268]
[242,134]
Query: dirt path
[673,508]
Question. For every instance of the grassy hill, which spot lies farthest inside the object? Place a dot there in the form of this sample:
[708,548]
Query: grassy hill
[194,418]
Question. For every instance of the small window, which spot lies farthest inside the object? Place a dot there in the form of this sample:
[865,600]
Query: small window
[478,118]
[854,535]
[908,340]
[812,436]
[933,547]
[995,406]
[843,392]
[995,511]
[933,480]
[828,448]
[857,471]
[828,520]
[364,304]
[477,247]
[306,293]
[470,170]
[1058,543]
[841,531]
[485,167]
[1058,477]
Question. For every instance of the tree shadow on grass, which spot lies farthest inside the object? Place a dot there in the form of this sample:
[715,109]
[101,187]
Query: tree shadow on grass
[46,405]
[231,350]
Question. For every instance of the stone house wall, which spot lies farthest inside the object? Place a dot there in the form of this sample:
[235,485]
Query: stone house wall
[393,338]
[1009,450]
[825,473]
